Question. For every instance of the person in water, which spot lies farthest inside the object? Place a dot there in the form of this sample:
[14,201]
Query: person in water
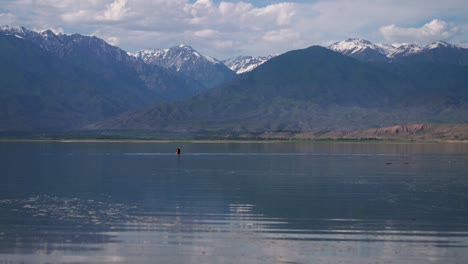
[177,151]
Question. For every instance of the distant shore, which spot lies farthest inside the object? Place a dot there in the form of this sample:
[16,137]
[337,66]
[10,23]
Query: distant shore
[413,133]
[128,140]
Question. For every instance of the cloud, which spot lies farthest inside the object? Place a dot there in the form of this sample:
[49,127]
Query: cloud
[92,11]
[115,11]
[113,40]
[432,31]
[79,16]
[227,28]
[206,33]
[228,44]
[7,19]
[281,36]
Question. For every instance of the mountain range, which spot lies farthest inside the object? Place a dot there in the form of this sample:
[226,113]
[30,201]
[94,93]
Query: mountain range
[437,52]
[64,82]
[56,81]
[315,89]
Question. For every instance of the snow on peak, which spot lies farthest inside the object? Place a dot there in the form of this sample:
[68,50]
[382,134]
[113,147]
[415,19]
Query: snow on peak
[359,41]
[440,44]
[46,34]
[212,60]
[22,33]
[242,64]
[174,57]
[189,54]
[356,45]
[148,55]
[12,30]
[405,49]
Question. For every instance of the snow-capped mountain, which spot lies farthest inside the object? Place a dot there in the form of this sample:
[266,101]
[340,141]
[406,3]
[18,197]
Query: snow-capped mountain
[356,45]
[63,45]
[186,60]
[440,44]
[440,51]
[242,64]
[79,50]
[437,52]
[404,49]
[408,49]
[57,81]
[176,57]
[362,49]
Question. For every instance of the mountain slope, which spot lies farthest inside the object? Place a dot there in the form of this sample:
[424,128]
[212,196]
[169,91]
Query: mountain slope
[242,64]
[98,57]
[313,89]
[185,60]
[54,82]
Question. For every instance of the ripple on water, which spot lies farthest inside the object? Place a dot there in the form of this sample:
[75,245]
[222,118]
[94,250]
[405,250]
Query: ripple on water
[52,225]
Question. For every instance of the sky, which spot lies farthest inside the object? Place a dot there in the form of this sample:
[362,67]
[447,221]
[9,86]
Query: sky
[225,29]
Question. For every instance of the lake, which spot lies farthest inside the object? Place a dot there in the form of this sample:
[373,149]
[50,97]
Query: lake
[138,202]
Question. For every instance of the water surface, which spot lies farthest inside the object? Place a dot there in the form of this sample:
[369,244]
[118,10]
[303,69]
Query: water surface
[233,203]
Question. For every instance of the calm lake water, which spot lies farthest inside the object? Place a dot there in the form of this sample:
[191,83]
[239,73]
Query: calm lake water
[233,203]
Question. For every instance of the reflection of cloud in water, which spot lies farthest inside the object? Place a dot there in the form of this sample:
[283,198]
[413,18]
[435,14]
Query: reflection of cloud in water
[71,230]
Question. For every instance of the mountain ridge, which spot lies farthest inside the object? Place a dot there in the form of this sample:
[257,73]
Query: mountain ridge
[58,81]
[183,59]
[334,92]
[66,81]
[401,53]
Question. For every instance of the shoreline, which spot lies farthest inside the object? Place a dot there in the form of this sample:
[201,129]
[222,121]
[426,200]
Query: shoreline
[407,134]
[240,141]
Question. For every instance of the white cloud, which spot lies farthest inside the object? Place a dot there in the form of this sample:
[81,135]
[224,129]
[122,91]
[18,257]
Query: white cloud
[206,33]
[281,36]
[229,28]
[283,13]
[115,11]
[432,31]
[113,40]
[92,11]
[76,16]
[7,19]
[219,44]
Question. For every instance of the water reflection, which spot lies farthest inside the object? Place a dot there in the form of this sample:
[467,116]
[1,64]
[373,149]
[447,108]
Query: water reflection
[255,203]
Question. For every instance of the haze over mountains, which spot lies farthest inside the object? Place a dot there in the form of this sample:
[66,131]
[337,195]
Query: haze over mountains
[68,82]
